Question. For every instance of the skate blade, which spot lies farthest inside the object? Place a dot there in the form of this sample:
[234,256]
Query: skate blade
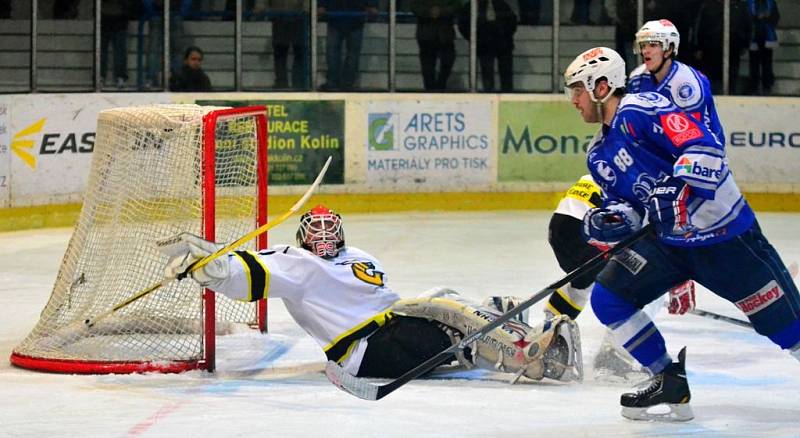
[663,412]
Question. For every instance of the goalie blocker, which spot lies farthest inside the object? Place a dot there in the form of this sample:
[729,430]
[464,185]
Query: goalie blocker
[551,349]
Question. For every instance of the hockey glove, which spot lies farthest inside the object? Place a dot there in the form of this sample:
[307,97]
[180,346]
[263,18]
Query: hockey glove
[185,249]
[605,227]
[682,298]
[667,206]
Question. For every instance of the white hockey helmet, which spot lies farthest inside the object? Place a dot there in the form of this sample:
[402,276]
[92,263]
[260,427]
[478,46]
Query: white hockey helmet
[658,31]
[593,64]
[321,232]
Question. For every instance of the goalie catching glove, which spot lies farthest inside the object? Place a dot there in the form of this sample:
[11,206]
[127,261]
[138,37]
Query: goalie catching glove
[184,250]
[551,349]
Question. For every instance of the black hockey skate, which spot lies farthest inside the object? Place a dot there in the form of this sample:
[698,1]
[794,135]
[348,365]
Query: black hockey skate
[666,399]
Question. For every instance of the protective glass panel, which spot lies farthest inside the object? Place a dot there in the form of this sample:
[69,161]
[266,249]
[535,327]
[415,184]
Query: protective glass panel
[353,46]
[15,46]
[65,44]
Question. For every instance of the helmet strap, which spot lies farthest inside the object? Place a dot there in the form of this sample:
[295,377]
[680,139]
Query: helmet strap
[600,104]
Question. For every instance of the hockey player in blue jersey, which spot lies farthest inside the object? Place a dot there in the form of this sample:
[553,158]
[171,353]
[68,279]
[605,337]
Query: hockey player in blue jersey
[654,161]
[657,42]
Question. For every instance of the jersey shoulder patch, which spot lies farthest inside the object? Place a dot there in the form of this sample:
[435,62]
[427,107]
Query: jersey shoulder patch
[647,102]
[680,128]
[686,88]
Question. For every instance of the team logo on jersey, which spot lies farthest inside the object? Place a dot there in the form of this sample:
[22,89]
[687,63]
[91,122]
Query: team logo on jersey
[380,131]
[685,91]
[684,166]
[365,271]
[702,167]
[761,298]
[605,171]
[680,128]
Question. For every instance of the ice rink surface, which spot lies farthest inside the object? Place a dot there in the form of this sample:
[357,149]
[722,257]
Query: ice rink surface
[271,385]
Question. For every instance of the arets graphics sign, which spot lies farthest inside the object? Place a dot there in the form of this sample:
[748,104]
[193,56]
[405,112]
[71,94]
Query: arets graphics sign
[429,145]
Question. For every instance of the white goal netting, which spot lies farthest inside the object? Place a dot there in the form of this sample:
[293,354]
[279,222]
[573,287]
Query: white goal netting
[148,182]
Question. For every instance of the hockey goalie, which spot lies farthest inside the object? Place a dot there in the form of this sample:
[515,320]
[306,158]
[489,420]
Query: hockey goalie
[338,295]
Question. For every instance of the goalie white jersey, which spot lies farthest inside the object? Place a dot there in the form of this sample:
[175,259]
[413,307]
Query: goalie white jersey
[337,301]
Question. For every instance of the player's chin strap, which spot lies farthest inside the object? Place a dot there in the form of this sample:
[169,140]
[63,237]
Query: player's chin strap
[598,104]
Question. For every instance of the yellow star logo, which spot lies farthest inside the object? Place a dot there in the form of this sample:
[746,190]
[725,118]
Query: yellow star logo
[21,145]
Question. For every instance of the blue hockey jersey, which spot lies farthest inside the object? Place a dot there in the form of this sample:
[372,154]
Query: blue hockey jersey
[687,88]
[650,138]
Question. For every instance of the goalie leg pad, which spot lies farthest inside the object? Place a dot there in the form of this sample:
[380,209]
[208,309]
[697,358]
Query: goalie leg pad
[514,347]
[563,359]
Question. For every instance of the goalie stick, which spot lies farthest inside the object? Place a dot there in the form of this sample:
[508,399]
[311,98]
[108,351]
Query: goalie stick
[89,322]
[365,389]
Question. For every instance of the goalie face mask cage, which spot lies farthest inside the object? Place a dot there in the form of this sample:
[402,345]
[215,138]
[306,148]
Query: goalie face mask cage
[321,232]
[156,171]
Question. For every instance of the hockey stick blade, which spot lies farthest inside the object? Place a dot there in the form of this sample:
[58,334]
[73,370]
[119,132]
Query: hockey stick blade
[89,322]
[368,390]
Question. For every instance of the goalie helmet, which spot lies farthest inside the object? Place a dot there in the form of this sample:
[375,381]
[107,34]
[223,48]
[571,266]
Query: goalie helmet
[594,64]
[658,31]
[321,232]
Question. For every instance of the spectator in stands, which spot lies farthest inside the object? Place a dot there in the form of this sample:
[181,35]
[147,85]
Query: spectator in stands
[708,40]
[191,77]
[436,39]
[496,24]
[65,9]
[5,9]
[683,15]
[580,12]
[290,31]
[623,16]
[248,6]
[529,11]
[765,16]
[114,31]
[346,20]
[154,15]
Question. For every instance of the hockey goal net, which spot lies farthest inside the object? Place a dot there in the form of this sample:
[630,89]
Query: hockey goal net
[156,171]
